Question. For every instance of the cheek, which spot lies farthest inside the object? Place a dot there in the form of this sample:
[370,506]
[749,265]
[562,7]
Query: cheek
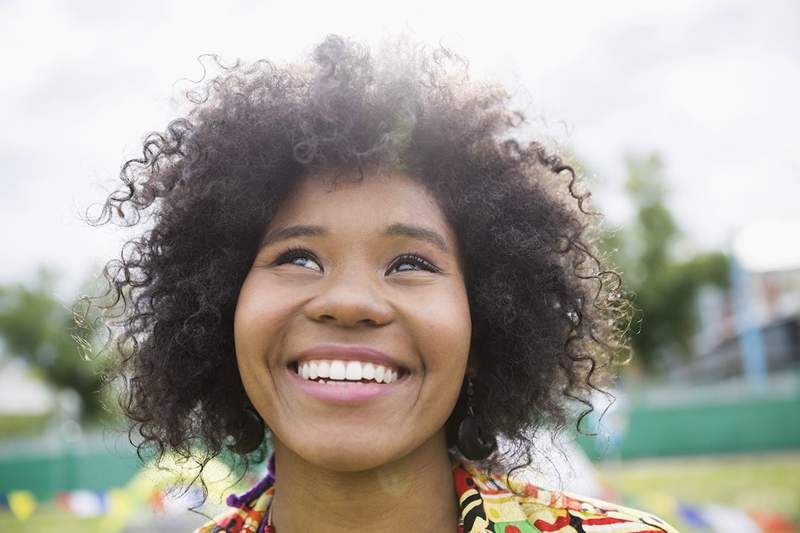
[445,330]
[443,333]
[257,321]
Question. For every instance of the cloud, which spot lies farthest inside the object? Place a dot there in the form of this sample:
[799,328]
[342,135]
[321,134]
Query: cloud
[711,84]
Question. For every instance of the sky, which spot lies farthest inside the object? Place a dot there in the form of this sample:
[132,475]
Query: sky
[711,85]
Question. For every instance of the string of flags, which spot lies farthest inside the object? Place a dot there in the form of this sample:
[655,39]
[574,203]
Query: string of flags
[89,503]
[118,505]
[714,518]
[161,489]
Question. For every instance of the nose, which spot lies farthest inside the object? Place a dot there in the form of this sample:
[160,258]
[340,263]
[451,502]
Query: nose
[350,299]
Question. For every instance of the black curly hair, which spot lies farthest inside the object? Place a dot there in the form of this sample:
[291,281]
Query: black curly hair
[545,311]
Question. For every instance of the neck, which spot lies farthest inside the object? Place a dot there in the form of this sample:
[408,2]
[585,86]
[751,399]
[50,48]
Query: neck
[417,489]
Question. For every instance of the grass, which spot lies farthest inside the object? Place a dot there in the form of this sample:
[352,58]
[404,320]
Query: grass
[51,520]
[760,482]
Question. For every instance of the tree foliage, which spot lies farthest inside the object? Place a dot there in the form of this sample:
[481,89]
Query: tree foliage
[663,277]
[38,328]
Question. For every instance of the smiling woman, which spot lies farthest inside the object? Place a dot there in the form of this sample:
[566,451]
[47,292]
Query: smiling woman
[367,291]
[356,264]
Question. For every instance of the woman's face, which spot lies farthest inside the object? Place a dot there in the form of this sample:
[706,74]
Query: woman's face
[353,282]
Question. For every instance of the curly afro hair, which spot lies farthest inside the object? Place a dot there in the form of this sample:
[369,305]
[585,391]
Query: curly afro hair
[545,311]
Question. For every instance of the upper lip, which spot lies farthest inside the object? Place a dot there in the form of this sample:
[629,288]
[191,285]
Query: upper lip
[347,353]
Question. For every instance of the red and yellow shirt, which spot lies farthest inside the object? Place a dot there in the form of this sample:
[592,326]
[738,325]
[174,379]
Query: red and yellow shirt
[487,505]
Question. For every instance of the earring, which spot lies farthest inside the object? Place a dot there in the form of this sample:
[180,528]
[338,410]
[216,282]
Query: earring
[251,435]
[471,442]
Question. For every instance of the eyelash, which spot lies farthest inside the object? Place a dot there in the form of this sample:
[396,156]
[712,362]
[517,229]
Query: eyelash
[408,257]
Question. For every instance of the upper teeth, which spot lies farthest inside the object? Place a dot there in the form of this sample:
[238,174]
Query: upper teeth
[346,370]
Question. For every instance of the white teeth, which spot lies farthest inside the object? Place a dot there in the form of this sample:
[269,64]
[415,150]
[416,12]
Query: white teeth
[353,371]
[339,371]
[368,371]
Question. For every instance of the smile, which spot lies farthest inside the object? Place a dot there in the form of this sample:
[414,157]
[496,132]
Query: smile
[336,371]
[346,381]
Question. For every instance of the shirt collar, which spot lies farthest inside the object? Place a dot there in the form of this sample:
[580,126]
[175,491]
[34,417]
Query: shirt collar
[471,484]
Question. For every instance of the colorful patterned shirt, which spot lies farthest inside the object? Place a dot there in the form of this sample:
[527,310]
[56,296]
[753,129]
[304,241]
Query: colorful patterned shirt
[486,505]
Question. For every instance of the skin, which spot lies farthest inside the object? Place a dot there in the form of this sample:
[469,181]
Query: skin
[382,463]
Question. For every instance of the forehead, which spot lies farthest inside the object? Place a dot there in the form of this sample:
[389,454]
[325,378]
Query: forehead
[375,200]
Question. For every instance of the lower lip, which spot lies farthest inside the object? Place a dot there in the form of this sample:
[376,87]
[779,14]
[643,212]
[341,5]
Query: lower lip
[350,392]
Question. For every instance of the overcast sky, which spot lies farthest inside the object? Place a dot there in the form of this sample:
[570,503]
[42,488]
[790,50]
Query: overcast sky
[712,85]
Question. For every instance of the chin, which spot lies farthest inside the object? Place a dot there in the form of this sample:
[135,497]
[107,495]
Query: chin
[349,456]
[348,451]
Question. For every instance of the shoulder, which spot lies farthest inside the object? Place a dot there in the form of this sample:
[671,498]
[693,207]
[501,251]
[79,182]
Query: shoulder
[245,518]
[489,505]
[565,509]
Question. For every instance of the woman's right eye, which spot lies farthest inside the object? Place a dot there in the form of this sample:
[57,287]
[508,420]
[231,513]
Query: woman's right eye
[300,257]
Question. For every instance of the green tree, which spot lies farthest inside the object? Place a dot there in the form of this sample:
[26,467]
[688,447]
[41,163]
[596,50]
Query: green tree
[35,326]
[664,282]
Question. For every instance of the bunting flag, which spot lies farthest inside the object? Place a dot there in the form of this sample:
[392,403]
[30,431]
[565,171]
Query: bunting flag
[22,503]
[178,500]
[773,523]
[62,500]
[723,519]
[692,516]
[118,505]
[120,508]
[87,503]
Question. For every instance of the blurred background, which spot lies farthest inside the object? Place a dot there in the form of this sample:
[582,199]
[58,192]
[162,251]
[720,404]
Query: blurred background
[681,115]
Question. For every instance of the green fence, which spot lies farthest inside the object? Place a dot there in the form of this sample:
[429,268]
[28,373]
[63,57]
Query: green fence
[49,467]
[725,418]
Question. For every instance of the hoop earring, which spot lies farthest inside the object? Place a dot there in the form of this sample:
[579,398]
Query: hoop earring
[251,435]
[471,442]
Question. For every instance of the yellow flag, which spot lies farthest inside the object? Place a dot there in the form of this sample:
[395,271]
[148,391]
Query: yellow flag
[120,509]
[22,503]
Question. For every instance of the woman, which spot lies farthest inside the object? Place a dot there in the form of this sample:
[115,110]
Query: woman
[355,263]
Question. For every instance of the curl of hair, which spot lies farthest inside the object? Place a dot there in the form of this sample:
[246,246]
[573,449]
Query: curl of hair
[545,311]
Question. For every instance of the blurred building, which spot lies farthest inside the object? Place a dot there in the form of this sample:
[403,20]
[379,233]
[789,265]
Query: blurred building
[763,305]
[21,394]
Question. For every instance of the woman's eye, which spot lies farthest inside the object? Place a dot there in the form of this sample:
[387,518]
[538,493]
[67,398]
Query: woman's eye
[299,257]
[411,262]
[303,258]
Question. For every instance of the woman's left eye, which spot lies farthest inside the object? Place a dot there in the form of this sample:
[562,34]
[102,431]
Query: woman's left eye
[305,258]
[416,263]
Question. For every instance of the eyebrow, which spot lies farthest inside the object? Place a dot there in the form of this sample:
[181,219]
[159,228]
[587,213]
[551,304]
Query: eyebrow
[404,230]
